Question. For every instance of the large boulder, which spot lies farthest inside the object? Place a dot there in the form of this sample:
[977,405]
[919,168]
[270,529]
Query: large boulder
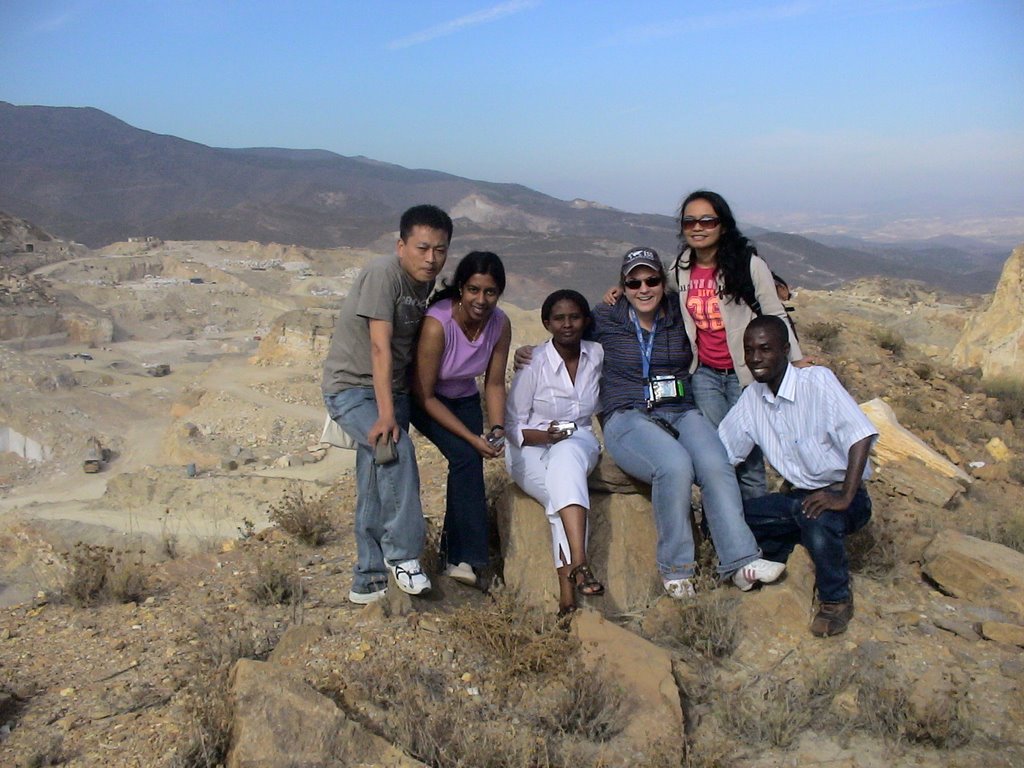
[994,339]
[280,722]
[976,570]
[621,550]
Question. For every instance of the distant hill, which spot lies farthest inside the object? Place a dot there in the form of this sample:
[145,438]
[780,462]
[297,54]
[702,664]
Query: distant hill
[89,177]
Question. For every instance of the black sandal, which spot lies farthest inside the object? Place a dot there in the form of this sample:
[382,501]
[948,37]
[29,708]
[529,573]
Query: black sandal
[588,585]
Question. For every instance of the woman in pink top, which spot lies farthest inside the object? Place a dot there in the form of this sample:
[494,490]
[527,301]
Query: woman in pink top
[464,335]
[723,284]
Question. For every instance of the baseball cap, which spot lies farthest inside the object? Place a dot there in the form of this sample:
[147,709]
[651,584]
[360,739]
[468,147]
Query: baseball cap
[641,257]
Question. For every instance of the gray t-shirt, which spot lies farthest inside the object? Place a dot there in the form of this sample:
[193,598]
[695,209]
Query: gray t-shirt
[383,291]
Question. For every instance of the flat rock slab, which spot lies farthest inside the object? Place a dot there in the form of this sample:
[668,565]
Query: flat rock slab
[976,570]
[280,722]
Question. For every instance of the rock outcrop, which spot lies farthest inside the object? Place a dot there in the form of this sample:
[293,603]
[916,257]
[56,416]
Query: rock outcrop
[908,464]
[994,339]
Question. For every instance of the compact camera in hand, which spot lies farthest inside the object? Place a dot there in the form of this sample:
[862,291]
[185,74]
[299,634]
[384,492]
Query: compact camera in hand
[564,427]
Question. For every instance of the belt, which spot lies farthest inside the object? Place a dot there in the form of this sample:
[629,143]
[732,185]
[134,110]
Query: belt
[723,371]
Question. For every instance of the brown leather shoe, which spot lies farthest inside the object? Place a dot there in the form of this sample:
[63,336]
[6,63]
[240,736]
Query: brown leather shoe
[832,619]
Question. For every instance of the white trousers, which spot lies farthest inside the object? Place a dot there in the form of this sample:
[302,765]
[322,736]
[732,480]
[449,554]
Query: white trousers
[556,476]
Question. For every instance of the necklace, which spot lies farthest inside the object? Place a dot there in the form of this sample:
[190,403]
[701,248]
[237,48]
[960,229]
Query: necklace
[464,325]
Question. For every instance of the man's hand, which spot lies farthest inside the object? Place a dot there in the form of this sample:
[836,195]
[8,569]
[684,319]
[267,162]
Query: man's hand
[522,357]
[611,295]
[381,427]
[823,501]
[803,362]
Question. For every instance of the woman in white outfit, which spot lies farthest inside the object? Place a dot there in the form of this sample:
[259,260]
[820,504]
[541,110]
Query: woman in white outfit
[551,460]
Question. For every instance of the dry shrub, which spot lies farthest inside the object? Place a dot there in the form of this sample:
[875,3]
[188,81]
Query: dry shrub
[889,339]
[308,520]
[275,581]
[590,706]
[923,370]
[98,574]
[525,641]
[826,334]
[1009,391]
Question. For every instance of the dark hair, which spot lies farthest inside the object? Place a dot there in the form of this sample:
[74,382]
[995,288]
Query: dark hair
[734,250]
[563,294]
[773,324]
[425,216]
[473,263]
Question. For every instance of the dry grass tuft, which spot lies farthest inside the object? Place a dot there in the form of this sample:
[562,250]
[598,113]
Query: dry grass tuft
[308,520]
[527,642]
[99,574]
[1007,530]
[707,625]
[768,711]
[873,550]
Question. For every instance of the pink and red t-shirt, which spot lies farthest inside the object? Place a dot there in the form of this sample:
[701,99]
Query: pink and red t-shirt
[702,304]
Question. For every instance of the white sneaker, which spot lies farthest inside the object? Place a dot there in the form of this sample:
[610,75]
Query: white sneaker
[764,571]
[365,598]
[680,589]
[409,577]
[462,573]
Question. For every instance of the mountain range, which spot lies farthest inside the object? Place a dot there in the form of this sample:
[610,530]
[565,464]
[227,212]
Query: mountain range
[86,176]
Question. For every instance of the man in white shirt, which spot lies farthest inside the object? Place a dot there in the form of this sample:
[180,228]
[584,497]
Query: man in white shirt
[818,439]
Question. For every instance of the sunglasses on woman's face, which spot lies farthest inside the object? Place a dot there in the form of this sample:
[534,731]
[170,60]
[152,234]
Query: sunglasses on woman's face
[706,222]
[650,282]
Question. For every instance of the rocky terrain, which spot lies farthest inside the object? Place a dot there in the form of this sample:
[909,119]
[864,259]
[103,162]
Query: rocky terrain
[219,637]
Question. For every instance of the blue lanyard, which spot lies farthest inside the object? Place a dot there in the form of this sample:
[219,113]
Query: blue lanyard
[645,349]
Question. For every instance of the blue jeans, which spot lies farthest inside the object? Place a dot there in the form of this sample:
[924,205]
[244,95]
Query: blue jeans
[389,518]
[647,452]
[464,538]
[779,524]
[715,394]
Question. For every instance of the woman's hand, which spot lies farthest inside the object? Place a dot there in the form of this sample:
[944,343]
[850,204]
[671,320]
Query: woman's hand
[485,449]
[556,435]
[611,295]
[522,357]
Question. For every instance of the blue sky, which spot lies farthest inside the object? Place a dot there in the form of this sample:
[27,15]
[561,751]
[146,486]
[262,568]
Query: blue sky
[900,118]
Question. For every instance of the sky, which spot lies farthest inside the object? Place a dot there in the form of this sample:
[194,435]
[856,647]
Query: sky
[881,118]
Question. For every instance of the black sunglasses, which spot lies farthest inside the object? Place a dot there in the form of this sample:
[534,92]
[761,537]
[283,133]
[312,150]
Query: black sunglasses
[651,282]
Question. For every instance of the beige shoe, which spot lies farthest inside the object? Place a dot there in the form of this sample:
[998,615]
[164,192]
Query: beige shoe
[462,573]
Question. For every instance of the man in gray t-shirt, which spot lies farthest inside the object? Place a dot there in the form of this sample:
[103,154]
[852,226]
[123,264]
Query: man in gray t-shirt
[365,389]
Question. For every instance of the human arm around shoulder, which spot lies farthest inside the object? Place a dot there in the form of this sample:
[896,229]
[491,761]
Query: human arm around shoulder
[494,382]
[768,298]
[382,365]
[429,351]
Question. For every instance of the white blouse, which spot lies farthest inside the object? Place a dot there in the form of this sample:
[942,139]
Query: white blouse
[543,392]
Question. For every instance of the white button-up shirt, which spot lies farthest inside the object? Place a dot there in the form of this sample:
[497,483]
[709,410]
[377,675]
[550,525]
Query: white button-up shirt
[805,431]
[543,392]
